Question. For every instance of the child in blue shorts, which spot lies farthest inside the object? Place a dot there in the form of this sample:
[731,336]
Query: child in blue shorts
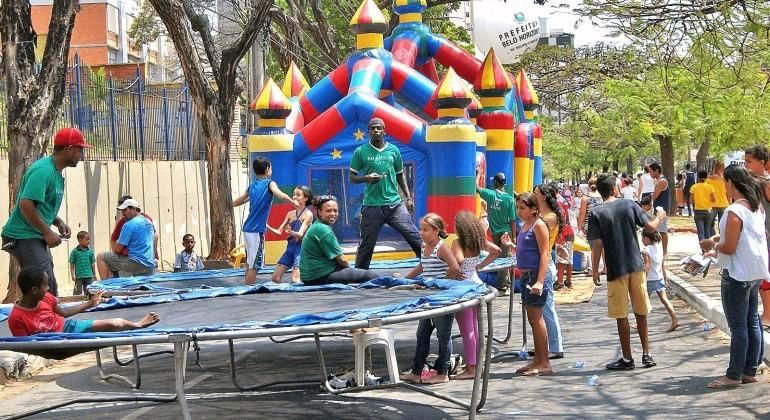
[38,311]
[294,224]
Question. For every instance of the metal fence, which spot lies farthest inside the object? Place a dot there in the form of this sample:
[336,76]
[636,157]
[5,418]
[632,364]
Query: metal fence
[124,119]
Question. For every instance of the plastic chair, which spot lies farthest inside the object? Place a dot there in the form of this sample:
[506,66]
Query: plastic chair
[363,339]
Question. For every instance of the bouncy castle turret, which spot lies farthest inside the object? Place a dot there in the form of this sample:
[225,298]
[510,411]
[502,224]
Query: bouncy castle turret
[272,140]
[531,102]
[451,144]
[492,84]
[369,24]
[295,84]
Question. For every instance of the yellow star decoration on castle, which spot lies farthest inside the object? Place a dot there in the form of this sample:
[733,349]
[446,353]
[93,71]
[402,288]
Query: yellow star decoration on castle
[359,135]
[336,154]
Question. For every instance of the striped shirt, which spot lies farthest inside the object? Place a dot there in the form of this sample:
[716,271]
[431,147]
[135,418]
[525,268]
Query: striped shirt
[432,266]
[83,260]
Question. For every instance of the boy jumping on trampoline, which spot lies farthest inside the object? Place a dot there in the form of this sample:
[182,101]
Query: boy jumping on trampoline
[259,195]
[38,311]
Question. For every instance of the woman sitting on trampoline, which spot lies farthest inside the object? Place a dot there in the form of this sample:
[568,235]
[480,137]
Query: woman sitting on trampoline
[39,311]
[321,260]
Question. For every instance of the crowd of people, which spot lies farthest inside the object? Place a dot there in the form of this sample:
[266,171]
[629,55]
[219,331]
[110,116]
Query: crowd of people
[611,211]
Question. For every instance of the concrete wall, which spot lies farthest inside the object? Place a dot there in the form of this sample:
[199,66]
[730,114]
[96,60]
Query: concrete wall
[173,193]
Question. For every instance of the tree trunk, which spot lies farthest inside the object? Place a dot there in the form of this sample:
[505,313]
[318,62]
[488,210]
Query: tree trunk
[702,155]
[667,162]
[220,195]
[616,165]
[34,95]
[630,167]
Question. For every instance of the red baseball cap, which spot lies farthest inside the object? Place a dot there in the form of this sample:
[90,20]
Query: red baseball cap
[70,136]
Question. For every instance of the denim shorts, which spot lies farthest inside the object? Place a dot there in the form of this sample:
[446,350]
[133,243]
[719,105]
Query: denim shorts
[655,286]
[528,298]
[78,325]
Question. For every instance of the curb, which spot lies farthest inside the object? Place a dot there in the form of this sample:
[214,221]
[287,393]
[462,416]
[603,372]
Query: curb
[708,307]
[17,366]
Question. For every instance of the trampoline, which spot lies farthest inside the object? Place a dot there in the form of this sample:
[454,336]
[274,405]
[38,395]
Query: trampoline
[265,310]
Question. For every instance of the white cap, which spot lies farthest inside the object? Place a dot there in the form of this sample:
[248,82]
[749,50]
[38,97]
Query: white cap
[130,203]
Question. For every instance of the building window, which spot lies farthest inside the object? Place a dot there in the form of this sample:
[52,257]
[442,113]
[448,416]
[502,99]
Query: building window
[114,57]
[113,19]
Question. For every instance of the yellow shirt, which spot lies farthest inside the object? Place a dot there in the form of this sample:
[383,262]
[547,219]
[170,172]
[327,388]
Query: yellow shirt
[701,196]
[719,189]
[553,232]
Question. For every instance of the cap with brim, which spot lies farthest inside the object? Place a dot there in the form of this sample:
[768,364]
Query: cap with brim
[499,178]
[129,203]
[70,136]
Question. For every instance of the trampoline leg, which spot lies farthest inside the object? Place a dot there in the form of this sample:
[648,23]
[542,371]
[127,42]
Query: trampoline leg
[141,356]
[137,372]
[523,328]
[181,345]
[509,332]
[322,363]
[487,344]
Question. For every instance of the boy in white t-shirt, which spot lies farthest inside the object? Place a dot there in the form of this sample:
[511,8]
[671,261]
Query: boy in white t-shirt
[652,256]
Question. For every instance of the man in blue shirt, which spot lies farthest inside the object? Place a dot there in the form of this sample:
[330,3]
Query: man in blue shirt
[136,236]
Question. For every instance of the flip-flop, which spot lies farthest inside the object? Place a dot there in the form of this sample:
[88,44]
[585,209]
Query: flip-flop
[523,369]
[537,372]
[745,379]
[718,384]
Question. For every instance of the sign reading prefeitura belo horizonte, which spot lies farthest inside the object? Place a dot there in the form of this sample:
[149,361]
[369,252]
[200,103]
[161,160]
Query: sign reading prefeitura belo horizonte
[505,27]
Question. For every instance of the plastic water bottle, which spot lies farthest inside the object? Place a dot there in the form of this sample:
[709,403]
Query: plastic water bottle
[579,364]
[593,381]
[523,355]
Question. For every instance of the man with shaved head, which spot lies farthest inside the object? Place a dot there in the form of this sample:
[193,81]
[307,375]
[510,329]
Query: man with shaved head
[378,164]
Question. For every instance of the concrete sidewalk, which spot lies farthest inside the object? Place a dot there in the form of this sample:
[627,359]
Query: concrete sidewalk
[702,293]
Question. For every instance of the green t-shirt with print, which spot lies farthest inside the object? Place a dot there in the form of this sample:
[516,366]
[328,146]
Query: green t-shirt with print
[386,162]
[43,184]
[319,249]
[501,210]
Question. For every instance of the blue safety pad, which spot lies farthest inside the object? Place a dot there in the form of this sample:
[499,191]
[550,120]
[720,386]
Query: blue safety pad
[146,283]
[5,310]
[447,292]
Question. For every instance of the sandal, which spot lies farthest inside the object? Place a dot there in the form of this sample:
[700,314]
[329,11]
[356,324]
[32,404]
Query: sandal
[722,383]
[537,372]
[410,378]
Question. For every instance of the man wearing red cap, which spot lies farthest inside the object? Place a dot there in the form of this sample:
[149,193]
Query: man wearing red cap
[28,235]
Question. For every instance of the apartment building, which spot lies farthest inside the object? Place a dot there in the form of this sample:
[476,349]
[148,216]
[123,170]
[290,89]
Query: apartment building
[100,37]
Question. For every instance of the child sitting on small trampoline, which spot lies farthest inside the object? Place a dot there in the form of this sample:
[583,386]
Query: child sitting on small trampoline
[39,311]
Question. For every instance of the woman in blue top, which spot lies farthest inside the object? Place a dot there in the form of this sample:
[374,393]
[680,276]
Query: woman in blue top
[533,256]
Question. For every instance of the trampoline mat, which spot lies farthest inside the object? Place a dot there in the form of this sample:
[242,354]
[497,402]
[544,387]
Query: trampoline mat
[267,307]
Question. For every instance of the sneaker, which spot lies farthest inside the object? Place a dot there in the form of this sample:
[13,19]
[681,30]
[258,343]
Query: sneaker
[648,361]
[621,364]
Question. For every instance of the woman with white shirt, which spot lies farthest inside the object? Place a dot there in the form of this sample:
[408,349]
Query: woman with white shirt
[741,251]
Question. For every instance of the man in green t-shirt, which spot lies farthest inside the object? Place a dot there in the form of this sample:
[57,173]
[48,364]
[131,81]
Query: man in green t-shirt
[379,165]
[501,213]
[28,235]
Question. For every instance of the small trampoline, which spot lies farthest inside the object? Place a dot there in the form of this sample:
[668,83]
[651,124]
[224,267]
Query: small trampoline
[263,310]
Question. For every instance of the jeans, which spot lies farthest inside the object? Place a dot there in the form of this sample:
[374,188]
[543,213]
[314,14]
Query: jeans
[344,276]
[716,216]
[739,301]
[372,219]
[704,223]
[35,253]
[550,316]
[443,326]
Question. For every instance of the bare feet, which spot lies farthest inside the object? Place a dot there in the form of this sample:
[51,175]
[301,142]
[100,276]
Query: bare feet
[468,373]
[436,379]
[538,372]
[674,325]
[151,318]
[410,377]
[525,368]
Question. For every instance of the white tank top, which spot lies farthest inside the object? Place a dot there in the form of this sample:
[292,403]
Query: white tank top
[655,252]
[433,267]
[468,269]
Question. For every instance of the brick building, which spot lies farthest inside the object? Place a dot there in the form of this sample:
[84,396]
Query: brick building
[100,37]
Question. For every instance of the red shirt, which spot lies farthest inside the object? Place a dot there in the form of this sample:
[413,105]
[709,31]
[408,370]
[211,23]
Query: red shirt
[25,321]
[116,233]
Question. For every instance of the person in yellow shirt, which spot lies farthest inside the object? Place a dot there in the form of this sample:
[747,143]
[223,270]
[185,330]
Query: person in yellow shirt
[717,181]
[703,197]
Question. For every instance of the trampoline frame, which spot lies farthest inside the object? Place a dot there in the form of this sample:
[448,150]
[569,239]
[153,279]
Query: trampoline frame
[181,343]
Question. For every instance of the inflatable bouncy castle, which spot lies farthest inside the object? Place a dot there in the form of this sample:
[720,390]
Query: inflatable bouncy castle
[445,132]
